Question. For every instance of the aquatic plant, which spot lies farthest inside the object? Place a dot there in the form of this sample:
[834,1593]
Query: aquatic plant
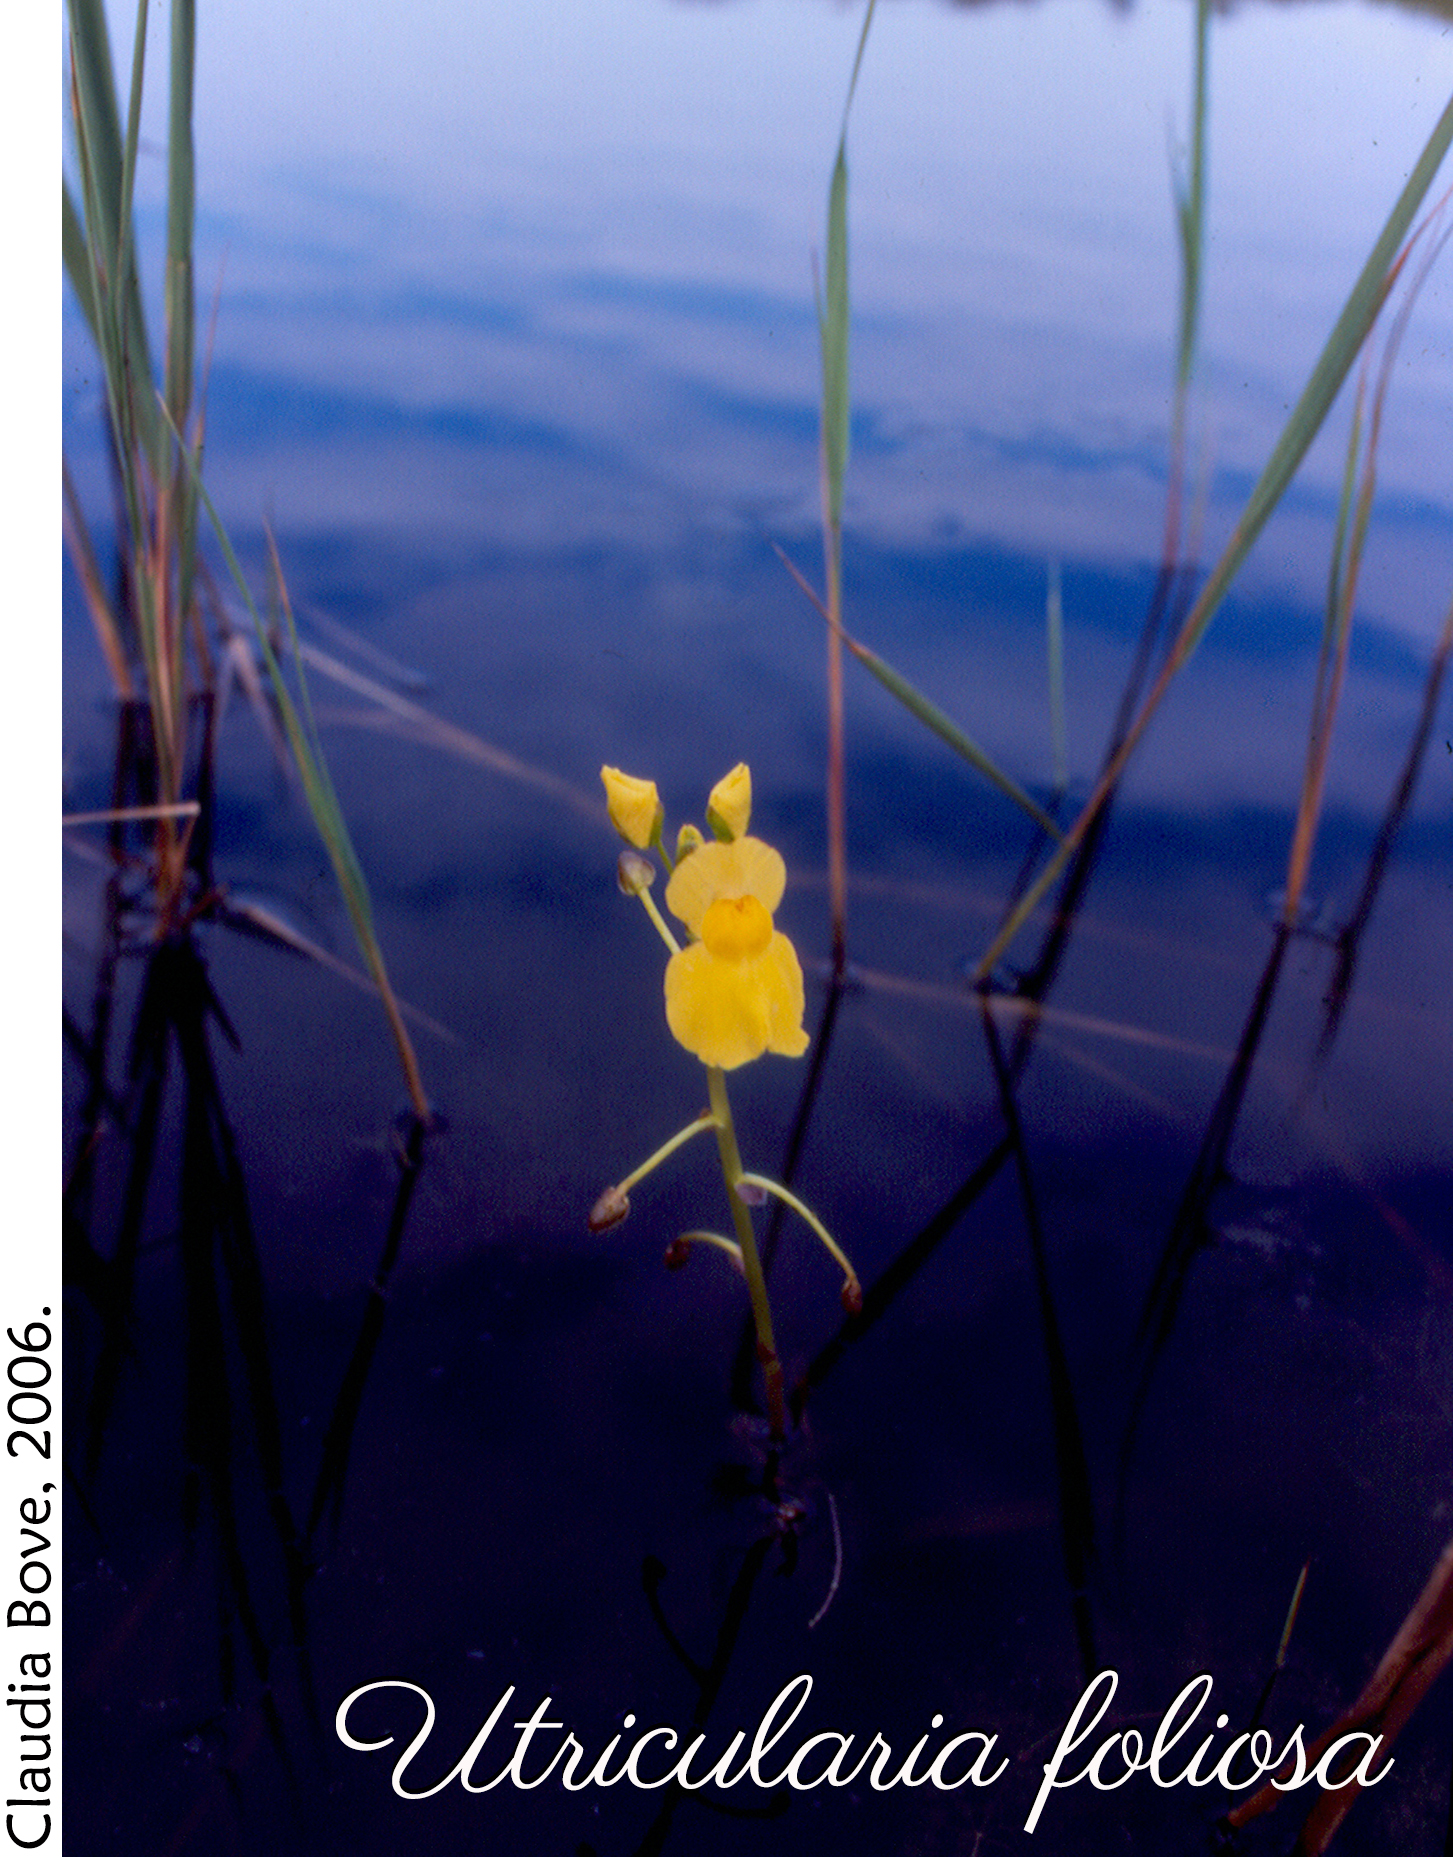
[162,642]
[1354,325]
[166,636]
[732,994]
[1360,312]
[151,634]
[736,996]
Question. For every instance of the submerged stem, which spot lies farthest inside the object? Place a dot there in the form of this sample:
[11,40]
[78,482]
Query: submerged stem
[732,1173]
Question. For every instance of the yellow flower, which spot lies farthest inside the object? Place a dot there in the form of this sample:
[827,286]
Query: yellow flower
[634,806]
[729,805]
[737,991]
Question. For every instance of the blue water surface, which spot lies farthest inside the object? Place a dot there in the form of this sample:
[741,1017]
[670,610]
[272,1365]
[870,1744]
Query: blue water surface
[515,350]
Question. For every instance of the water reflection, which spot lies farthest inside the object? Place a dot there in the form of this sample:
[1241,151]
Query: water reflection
[517,1352]
[572,295]
[533,444]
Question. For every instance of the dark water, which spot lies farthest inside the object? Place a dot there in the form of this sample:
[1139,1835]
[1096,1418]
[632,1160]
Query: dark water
[565,547]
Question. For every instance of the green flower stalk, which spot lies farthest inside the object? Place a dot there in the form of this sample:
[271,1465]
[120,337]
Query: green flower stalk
[732,1173]
[732,993]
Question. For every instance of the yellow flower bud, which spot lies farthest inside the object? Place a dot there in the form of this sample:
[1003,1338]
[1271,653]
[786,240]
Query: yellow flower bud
[634,806]
[688,839]
[729,806]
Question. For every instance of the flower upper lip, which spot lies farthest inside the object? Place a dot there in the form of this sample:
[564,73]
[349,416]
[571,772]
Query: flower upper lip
[745,867]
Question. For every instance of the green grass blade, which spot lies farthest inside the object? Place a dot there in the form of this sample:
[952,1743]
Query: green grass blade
[98,152]
[1354,516]
[833,321]
[108,165]
[1339,538]
[98,599]
[180,310]
[98,120]
[302,733]
[77,262]
[1325,382]
[1331,669]
[1054,638]
[858,61]
[1332,366]
[122,254]
[932,717]
[833,312]
[301,730]
[181,213]
[135,362]
[1191,207]
[834,315]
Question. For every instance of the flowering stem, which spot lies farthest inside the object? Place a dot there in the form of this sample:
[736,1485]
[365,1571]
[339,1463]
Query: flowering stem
[732,1173]
[704,1121]
[648,903]
[658,843]
[852,1289]
[733,1251]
